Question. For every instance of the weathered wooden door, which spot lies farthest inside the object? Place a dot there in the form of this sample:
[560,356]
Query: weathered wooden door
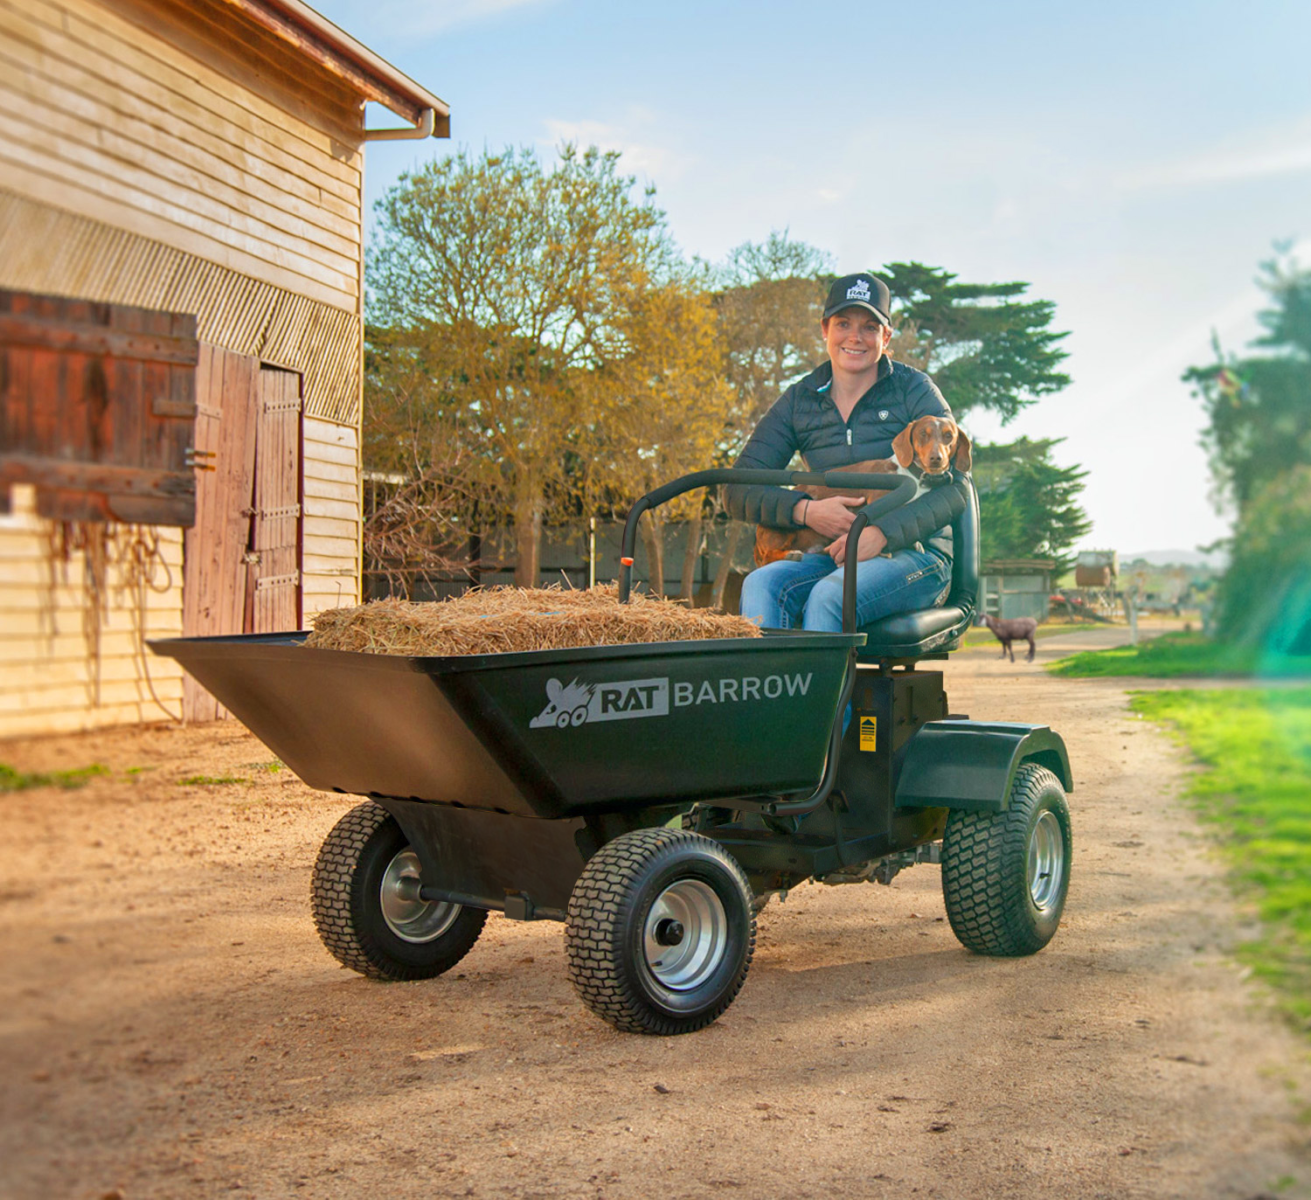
[242,557]
[273,579]
[214,570]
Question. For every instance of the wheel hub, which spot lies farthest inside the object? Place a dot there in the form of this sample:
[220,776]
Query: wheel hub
[410,918]
[669,932]
[1046,866]
[686,935]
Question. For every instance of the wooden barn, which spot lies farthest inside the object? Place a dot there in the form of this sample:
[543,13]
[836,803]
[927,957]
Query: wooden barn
[181,290]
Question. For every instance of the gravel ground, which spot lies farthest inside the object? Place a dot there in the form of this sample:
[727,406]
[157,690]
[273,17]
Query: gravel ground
[170,1025]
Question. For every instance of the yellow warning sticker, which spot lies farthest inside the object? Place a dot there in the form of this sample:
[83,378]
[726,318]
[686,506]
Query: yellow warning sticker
[869,733]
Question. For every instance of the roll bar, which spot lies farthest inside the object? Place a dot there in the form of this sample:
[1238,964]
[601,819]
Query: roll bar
[899,489]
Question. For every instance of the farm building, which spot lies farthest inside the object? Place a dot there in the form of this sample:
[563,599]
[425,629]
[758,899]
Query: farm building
[180,337]
[1017,587]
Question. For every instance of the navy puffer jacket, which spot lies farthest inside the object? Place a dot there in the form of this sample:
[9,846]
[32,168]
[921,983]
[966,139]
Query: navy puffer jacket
[804,419]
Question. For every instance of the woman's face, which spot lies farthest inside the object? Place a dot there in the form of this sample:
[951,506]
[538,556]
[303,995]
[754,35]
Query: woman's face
[855,340]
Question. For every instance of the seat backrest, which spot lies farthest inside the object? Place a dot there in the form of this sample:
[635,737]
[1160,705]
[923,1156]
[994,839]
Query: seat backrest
[965,562]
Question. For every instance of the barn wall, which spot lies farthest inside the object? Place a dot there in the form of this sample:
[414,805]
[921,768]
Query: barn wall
[330,560]
[48,670]
[174,155]
[191,126]
[43,249]
[47,673]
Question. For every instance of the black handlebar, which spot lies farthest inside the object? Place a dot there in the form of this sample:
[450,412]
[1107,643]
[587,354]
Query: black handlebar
[899,489]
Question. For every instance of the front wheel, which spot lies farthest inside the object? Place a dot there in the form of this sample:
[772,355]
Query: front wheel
[1005,875]
[660,931]
[367,908]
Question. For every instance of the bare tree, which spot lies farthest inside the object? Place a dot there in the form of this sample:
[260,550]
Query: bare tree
[770,300]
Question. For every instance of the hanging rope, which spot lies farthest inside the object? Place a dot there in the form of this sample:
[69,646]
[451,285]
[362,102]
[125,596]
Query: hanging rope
[132,554]
[142,569]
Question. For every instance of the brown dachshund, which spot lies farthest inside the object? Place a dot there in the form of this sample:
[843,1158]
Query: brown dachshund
[933,444]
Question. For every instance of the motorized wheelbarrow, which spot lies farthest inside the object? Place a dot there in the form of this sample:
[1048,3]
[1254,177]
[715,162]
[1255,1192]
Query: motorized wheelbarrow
[654,796]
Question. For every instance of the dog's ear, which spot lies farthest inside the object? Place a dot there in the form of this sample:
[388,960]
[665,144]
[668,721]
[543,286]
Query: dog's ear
[902,447]
[964,453]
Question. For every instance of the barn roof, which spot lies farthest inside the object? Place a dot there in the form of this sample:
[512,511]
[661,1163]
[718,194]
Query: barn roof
[336,51]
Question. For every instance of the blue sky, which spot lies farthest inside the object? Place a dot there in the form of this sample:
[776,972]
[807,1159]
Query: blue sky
[1133,162]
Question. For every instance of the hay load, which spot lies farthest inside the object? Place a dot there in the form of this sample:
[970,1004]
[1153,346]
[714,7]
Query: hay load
[505,619]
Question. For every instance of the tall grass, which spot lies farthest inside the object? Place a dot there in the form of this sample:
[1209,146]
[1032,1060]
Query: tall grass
[1255,796]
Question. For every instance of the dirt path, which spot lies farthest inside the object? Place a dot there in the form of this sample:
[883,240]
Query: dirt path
[169,1024]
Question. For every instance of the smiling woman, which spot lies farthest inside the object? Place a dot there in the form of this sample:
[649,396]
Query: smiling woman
[849,410]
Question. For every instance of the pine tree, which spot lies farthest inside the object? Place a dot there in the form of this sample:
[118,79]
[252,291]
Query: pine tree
[1027,504]
[986,346]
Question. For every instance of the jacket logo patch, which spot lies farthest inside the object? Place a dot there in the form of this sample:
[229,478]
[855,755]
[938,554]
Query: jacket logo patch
[858,290]
[883,414]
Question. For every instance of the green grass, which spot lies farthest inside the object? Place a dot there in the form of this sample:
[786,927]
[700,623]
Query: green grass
[1255,796]
[12,780]
[1173,655]
[211,780]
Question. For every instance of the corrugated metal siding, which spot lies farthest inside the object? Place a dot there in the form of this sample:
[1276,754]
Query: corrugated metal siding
[44,249]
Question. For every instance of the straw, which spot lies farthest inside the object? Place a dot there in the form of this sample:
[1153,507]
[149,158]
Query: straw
[504,619]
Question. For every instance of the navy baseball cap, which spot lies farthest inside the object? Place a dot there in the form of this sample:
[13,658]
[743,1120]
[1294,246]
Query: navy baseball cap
[861,290]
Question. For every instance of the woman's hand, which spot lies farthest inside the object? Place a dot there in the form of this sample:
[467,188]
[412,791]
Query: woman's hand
[831,516]
[872,543]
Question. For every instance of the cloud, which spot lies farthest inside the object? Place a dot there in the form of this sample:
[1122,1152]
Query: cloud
[1287,152]
[636,137]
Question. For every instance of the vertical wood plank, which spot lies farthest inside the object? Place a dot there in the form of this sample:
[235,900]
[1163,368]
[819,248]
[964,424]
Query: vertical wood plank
[274,591]
[214,575]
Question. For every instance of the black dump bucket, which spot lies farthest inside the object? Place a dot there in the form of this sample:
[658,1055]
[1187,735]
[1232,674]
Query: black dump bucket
[544,733]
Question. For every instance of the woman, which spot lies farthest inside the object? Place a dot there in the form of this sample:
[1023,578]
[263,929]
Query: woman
[847,411]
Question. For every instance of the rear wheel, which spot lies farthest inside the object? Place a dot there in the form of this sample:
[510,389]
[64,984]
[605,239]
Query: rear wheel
[1005,875]
[367,908]
[660,931]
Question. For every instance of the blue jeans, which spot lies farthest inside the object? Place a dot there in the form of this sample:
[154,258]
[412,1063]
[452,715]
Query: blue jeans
[808,594]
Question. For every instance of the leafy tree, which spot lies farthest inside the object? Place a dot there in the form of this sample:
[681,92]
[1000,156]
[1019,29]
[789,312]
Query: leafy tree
[986,346]
[672,420]
[1258,406]
[1028,505]
[1259,441]
[770,298]
[512,286]
[989,348]
[1265,595]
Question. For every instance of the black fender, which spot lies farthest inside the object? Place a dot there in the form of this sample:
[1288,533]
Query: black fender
[971,764]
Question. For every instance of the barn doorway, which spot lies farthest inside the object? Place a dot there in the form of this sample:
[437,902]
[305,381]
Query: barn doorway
[242,557]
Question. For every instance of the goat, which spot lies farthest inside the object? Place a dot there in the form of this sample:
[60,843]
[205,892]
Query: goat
[1007,630]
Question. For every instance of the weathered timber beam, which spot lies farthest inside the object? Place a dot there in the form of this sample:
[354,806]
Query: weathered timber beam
[57,333]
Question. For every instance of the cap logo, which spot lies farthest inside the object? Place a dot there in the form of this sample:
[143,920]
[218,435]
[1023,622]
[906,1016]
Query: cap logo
[858,291]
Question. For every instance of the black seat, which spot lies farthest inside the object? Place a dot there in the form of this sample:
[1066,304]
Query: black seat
[935,630]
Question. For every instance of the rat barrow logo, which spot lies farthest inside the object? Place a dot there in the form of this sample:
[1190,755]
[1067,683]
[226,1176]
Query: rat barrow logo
[579,702]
